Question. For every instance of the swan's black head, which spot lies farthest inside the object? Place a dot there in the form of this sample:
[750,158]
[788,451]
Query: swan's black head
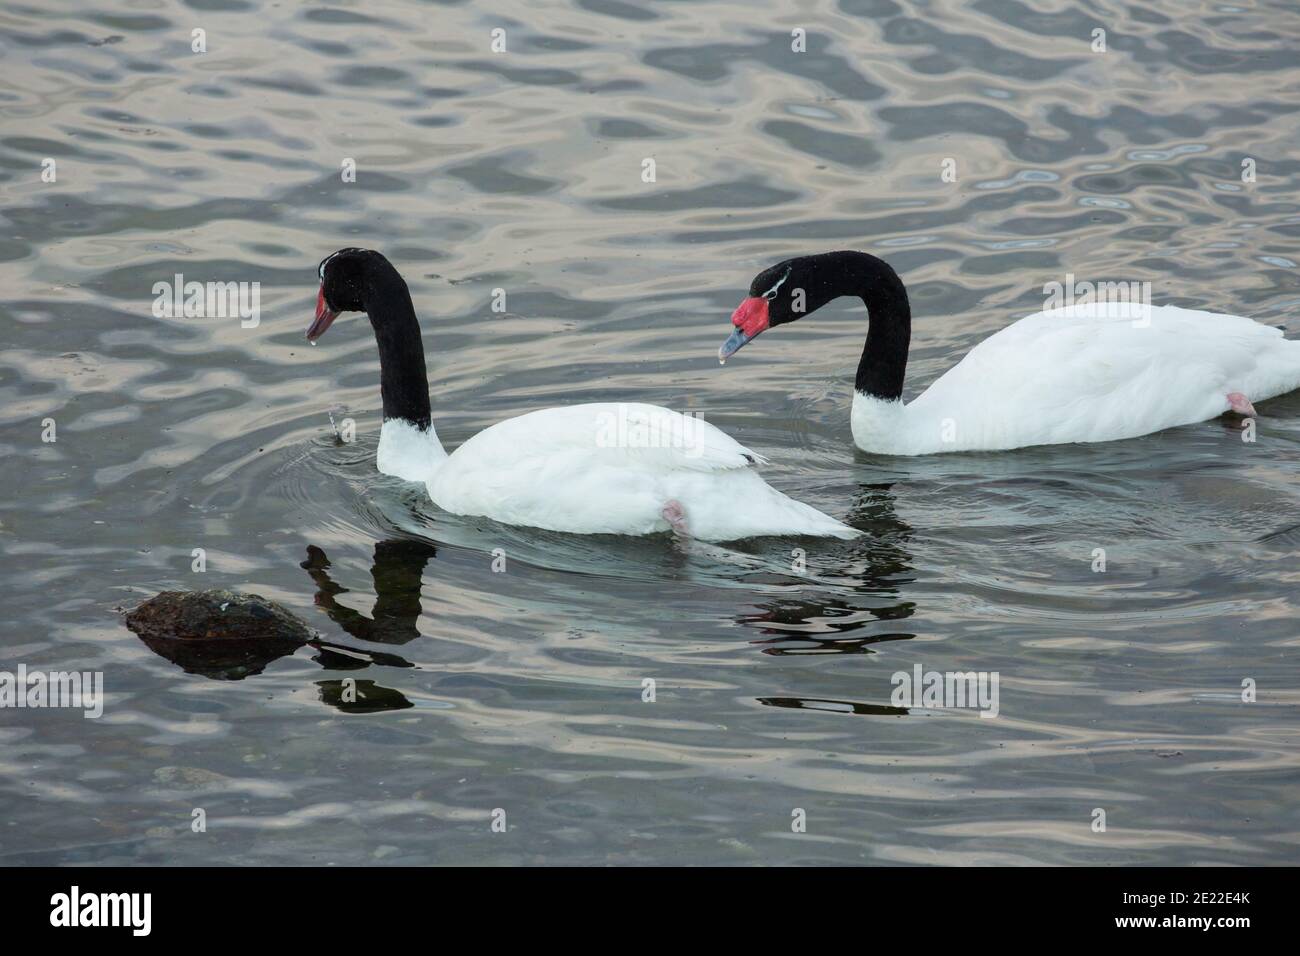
[348,280]
[361,280]
[787,292]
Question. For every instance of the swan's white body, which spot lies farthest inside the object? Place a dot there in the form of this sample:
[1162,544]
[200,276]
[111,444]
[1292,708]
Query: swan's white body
[1083,374]
[602,468]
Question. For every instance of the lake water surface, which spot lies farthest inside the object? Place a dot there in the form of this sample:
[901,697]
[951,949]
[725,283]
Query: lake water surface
[522,689]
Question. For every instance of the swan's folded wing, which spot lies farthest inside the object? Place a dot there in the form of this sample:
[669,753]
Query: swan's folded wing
[1085,374]
[631,432]
[1084,354]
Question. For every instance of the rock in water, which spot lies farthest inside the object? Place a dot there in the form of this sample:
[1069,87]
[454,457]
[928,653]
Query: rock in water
[216,616]
[220,634]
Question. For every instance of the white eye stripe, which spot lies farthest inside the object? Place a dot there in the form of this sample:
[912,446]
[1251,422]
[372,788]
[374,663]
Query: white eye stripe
[771,293]
[326,261]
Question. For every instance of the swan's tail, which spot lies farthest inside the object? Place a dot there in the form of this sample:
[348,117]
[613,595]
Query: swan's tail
[747,506]
[813,522]
[794,517]
[1277,372]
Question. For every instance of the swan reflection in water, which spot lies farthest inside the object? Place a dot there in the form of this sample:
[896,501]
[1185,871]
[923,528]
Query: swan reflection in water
[397,570]
[859,595]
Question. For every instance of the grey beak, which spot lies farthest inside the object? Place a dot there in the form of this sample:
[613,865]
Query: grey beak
[735,342]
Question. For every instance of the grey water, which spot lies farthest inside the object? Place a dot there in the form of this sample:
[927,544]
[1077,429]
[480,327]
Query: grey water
[503,672]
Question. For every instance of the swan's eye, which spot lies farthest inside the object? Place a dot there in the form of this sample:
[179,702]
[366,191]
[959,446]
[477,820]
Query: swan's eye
[770,294]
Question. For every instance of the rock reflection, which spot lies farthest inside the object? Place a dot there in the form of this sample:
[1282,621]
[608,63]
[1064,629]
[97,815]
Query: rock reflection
[221,660]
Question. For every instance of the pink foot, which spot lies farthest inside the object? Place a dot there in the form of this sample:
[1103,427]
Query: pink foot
[1240,404]
[675,515]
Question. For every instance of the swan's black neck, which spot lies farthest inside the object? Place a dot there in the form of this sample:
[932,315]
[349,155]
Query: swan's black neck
[884,356]
[403,381]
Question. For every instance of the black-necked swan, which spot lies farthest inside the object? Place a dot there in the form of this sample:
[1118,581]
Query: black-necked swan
[613,468]
[1082,373]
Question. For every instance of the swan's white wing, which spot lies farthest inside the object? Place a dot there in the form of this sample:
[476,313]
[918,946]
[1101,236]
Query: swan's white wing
[613,433]
[1086,374]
